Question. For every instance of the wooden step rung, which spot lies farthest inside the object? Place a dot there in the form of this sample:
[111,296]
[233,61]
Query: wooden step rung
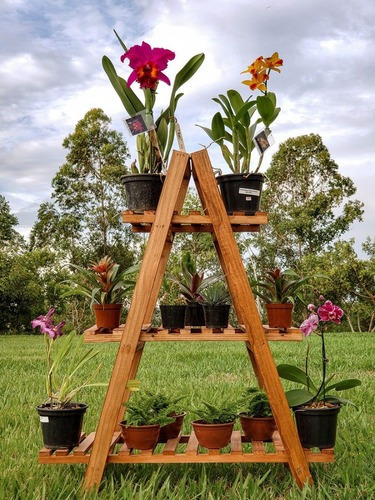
[171,445]
[236,443]
[278,444]
[124,450]
[192,446]
[258,448]
[85,445]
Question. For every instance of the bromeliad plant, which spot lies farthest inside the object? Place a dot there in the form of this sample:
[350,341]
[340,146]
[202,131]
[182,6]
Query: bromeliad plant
[279,286]
[325,394]
[63,363]
[148,63]
[235,126]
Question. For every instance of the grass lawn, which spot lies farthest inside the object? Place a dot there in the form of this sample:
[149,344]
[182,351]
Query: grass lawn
[205,370]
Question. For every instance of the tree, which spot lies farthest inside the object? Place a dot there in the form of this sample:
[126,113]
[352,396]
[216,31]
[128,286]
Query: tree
[307,201]
[8,235]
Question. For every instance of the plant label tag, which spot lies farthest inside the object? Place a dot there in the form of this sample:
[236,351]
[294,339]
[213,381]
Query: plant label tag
[248,198]
[180,139]
[253,192]
[44,420]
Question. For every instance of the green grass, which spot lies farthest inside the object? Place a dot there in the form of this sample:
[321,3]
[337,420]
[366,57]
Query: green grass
[208,371]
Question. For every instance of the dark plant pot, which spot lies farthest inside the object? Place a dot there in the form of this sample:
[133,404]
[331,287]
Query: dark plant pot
[142,437]
[107,315]
[216,316]
[173,316]
[172,430]
[213,436]
[61,428]
[256,428]
[241,192]
[194,314]
[142,191]
[279,315]
[317,426]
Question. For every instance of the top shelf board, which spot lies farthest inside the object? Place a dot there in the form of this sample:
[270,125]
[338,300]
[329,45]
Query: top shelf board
[195,222]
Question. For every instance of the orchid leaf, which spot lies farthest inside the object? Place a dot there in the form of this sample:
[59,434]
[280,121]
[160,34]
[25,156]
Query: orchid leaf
[297,397]
[295,374]
[344,385]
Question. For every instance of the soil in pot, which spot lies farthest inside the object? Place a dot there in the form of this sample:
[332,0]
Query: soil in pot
[61,427]
[107,316]
[279,315]
[258,429]
[317,426]
[142,437]
[216,316]
[241,192]
[172,430]
[142,191]
[173,316]
[194,314]
[213,436]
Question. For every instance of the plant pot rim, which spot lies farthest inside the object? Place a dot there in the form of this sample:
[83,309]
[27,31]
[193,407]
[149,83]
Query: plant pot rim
[113,304]
[243,175]
[73,406]
[175,415]
[244,415]
[146,426]
[324,409]
[202,422]
[280,304]
[142,176]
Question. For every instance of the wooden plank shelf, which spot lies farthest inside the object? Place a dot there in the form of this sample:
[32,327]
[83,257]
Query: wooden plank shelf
[195,222]
[158,334]
[185,449]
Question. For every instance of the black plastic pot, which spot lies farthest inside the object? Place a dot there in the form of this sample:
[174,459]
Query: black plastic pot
[216,316]
[61,428]
[173,316]
[142,191]
[194,314]
[317,426]
[240,192]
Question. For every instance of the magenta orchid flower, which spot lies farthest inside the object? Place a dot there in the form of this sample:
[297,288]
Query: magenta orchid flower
[55,331]
[147,65]
[330,312]
[44,321]
[310,324]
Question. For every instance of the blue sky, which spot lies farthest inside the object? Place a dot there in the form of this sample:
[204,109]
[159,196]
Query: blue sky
[51,75]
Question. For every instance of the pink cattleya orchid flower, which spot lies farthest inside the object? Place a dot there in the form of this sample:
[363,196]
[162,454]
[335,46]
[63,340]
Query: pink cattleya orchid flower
[44,321]
[310,324]
[330,312]
[148,64]
[55,331]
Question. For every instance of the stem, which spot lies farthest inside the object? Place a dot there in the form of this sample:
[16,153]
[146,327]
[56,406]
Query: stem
[324,368]
[307,364]
[49,374]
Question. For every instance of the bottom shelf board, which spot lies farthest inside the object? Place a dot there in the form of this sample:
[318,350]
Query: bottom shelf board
[184,449]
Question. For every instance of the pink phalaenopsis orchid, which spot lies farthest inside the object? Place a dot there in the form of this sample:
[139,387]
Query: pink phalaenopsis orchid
[147,65]
[310,324]
[330,312]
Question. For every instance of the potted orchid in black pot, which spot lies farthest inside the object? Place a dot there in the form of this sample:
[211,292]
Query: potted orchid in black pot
[60,416]
[316,406]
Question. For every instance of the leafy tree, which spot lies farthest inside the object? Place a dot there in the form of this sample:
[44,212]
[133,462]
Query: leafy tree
[8,235]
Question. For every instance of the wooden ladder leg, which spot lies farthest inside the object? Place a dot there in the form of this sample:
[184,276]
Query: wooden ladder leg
[244,303]
[145,290]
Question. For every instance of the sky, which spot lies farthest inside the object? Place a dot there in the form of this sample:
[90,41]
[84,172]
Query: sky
[51,75]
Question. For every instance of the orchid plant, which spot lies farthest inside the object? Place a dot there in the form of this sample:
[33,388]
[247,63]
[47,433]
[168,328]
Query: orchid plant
[235,126]
[148,64]
[63,363]
[317,395]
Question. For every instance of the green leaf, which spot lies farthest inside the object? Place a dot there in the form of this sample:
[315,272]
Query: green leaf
[297,397]
[344,385]
[218,128]
[266,109]
[189,70]
[295,374]
[235,100]
[162,133]
[121,42]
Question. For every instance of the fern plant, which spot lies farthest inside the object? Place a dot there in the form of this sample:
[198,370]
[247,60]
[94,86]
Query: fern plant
[211,414]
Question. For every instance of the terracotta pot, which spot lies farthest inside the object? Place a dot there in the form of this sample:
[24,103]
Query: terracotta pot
[107,315]
[172,430]
[142,437]
[213,436]
[258,429]
[317,426]
[279,315]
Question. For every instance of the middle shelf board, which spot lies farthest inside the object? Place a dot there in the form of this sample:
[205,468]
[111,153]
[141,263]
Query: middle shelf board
[192,334]
[195,222]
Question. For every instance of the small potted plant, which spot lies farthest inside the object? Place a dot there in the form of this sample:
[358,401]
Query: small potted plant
[60,417]
[214,426]
[105,285]
[145,416]
[154,137]
[172,306]
[236,133]
[316,406]
[279,289]
[256,417]
[216,305]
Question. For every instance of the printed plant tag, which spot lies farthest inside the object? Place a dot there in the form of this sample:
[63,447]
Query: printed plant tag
[44,419]
[253,192]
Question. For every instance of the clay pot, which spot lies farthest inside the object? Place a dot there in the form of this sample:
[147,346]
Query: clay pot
[172,430]
[142,437]
[256,428]
[213,436]
[279,315]
[107,315]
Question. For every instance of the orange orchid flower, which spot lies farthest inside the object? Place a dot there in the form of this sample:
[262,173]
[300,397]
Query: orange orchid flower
[273,62]
[258,81]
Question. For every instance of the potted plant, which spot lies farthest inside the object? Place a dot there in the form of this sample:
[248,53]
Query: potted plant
[316,407]
[60,417]
[214,426]
[256,417]
[241,190]
[105,285]
[191,286]
[154,136]
[172,306]
[144,418]
[278,289]
[215,300]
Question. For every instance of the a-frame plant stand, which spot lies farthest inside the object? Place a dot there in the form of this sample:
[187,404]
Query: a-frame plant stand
[162,225]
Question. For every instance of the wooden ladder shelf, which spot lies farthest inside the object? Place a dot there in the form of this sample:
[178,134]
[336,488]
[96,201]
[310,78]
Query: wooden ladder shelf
[106,446]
